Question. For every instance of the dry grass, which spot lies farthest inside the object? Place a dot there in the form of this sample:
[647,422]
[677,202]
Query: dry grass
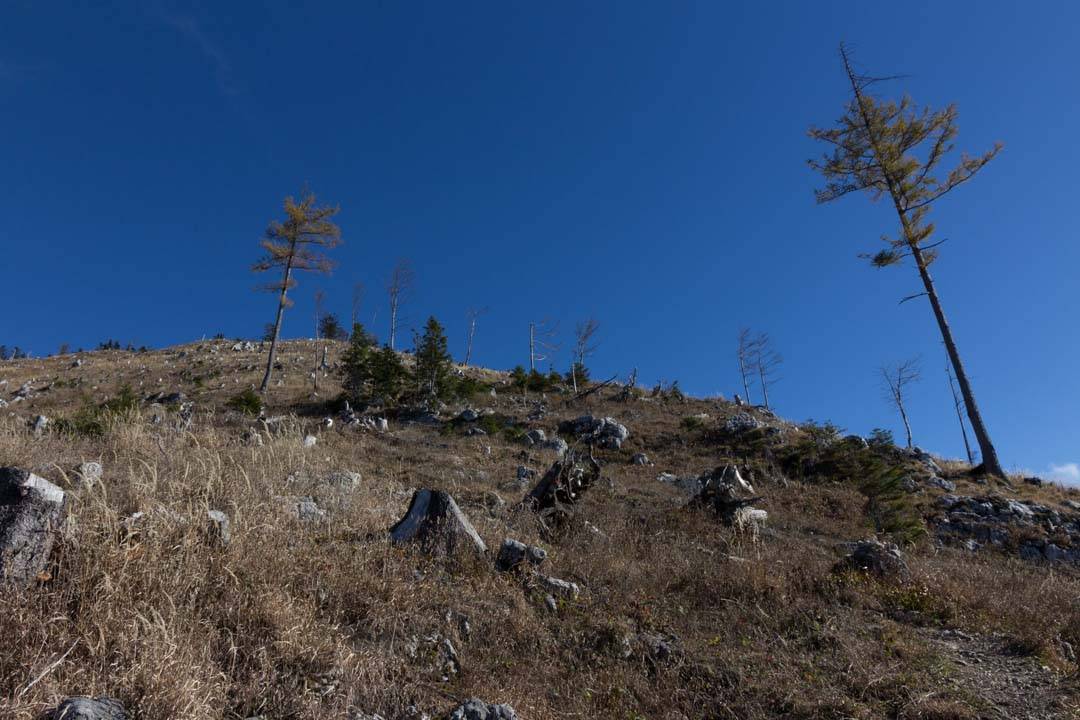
[300,621]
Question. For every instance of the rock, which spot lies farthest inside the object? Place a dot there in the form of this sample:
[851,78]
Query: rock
[1052,552]
[881,559]
[513,554]
[303,508]
[640,459]
[243,347]
[1019,509]
[909,485]
[605,432]
[31,510]
[559,588]
[475,431]
[1071,504]
[743,422]
[84,708]
[251,438]
[468,415]
[535,437]
[558,445]
[479,710]
[382,424]
[40,423]
[310,441]
[946,485]
[218,528]
[436,522]
[76,363]
[1031,552]
[89,473]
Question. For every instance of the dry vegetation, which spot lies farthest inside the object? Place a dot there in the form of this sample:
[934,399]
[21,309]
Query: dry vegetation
[316,621]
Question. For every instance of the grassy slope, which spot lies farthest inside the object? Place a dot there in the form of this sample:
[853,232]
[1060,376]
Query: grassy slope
[308,622]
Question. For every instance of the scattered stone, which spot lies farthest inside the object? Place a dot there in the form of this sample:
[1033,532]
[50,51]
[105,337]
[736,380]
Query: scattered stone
[84,708]
[640,459]
[39,425]
[881,559]
[310,441]
[474,431]
[382,424]
[89,473]
[559,588]
[557,444]
[436,522]
[535,437]
[479,710]
[743,422]
[219,528]
[938,482]
[1071,504]
[468,415]
[513,554]
[31,510]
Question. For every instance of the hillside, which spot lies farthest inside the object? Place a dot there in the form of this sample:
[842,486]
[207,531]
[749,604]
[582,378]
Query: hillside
[682,606]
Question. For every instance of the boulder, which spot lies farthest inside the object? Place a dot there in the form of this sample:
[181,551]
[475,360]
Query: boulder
[946,485]
[479,710]
[514,554]
[743,422]
[881,559]
[559,588]
[558,445]
[310,441]
[468,415]
[436,522]
[605,432]
[535,436]
[84,708]
[31,510]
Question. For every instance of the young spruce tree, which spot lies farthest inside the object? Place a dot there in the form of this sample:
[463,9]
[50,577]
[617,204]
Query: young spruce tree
[433,362]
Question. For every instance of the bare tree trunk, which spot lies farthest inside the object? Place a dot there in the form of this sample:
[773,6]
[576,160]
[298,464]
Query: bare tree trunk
[393,319]
[907,425]
[532,346]
[959,415]
[468,345]
[573,375]
[277,329]
[764,386]
[745,384]
[990,461]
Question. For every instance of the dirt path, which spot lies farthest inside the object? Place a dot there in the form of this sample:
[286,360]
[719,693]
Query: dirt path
[1008,686]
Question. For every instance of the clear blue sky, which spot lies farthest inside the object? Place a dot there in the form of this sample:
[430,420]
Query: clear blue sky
[640,163]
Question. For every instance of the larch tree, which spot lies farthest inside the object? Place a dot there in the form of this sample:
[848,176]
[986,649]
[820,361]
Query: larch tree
[895,380]
[893,149]
[296,243]
[398,287]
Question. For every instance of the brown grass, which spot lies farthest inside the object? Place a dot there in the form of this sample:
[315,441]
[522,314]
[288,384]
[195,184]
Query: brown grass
[294,621]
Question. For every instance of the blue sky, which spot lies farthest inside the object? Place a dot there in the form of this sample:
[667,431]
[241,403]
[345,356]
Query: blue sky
[640,163]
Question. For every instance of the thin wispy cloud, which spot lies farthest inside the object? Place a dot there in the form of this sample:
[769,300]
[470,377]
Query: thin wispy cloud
[191,30]
[1066,473]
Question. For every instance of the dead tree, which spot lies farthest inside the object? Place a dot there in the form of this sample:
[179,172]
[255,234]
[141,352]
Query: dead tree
[319,297]
[957,404]
[627,392]
[557,493]
[584,346]
[357,299]
[895,380]
[766,363]
[294,244]
[894,149]
[398,288]
[747,353]
[473,314]
[541,342]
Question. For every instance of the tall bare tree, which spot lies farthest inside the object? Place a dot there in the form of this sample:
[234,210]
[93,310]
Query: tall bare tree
[747,354]
[398,288]
[584,345]
[473,314]
[894,381]
[766,363]
[357,299]
[892,149]
[957,405]
[541,341]
[294,244]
